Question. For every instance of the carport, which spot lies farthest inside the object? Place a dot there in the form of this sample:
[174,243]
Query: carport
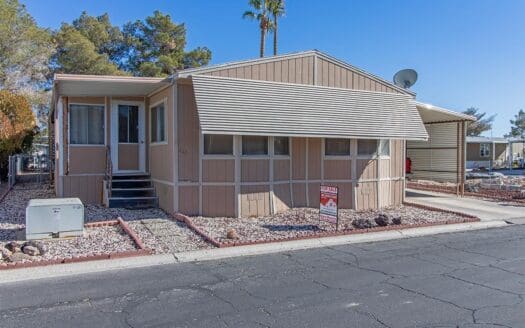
[442,157]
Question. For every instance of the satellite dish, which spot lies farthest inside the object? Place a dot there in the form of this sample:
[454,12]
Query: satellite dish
[405,78]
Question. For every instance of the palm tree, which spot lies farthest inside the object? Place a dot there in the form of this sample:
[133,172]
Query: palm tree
[260,13]
[276,8]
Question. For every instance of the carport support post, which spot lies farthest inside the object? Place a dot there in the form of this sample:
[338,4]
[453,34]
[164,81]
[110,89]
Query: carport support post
[458,159]
[463,155]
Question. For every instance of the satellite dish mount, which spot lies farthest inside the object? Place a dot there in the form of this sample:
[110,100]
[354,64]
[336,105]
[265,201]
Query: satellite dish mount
[405,78]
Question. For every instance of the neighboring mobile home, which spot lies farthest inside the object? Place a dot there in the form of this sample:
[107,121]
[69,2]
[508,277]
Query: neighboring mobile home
[488,153]
[241,139]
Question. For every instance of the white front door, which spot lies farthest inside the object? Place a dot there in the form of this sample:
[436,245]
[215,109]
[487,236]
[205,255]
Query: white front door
[128,151]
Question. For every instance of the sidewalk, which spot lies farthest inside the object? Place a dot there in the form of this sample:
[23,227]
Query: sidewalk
[484,209]
[54,271]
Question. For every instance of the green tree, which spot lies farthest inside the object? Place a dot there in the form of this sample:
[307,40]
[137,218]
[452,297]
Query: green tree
[76,54]
[276,8]
[481,124]
[517,129]
[17,126]
[259,12]
[156,46]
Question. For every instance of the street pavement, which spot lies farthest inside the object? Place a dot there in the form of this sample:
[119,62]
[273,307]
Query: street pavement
[468,279]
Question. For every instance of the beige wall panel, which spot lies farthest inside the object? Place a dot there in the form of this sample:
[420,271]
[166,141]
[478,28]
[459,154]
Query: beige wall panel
[161,155]
[282,198]
[128,156]
[366,193]
[281,169]
[298,158]
[87,159]
[255,201]
[314,158]
[218,170]
[188,134]
[255,170]
[396,192]
[88,188]
[313,194]
[165,194]
[384,168]
[299,194]
[366,169]
[397,159]
[218,201]
[337,169]
[346,197]
[285,71]
[385,193]
[189,200]
[87,100]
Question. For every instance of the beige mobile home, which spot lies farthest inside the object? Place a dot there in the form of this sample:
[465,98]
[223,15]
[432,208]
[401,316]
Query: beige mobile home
[489,153]
[241,139]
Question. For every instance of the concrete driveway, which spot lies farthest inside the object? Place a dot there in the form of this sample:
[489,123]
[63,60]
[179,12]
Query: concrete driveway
[484,209]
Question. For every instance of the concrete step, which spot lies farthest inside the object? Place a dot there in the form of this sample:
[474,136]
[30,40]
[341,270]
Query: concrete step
[133,202]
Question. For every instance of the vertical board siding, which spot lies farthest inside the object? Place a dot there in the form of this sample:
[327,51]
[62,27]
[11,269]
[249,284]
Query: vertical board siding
[189,200]
[165,194]
[282,197]
[299,194]
[87,159]
[88,188]
[161,155]
[255,200]
[281,170]
[255,170]
[338,169]
[188,134]
[314,158]
[218,170]
[298,158]
[218,201]
[366,196]
[366,169]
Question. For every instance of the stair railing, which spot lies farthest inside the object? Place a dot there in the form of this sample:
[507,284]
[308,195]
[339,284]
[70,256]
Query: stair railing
[109,170]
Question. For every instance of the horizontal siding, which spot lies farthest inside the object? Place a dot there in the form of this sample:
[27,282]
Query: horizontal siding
[236,106]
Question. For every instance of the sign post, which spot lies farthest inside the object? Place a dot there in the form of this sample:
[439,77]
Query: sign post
[328,210]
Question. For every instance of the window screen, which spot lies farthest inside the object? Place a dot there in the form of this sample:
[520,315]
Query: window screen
[337,147]
[215,144]
[366,147]
[254,145]
[281,146]
[158,126]
[86,124]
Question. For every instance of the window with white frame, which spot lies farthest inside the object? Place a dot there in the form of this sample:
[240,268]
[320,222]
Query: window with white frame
[384,147]
[367,147]
[158,123]
[484,150]
[281,146]
[86,124]
[217,144]
[337,147]
[254,145]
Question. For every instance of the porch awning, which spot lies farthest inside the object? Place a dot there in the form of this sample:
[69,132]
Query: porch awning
[250,107]
[433,114]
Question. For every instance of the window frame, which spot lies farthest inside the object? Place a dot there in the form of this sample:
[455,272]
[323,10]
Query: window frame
[163,101]
[218,156]
[281,155]
[69,144]
[484,153]
[389,141]
[341,156]
[255,155]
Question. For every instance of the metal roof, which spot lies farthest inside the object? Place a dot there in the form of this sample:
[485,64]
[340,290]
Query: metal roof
[250,107]
[476,139]
[315,52]
[431,114]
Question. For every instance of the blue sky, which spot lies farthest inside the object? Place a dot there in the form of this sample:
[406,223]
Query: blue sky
[467,52]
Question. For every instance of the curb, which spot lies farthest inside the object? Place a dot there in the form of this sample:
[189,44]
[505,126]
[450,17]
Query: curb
[141,251]
[315,235]
[69,269]
[447,190]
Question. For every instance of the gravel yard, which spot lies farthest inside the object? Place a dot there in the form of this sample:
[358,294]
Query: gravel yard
[157,230]
[301,222]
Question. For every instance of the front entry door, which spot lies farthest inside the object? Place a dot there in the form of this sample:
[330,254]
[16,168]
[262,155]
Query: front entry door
[127,137]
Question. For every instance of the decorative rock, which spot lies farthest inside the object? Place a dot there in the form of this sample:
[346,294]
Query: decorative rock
[382,220]
[17,257]
[396,220]
[4,252]
[38,246]
[13,246]
[30,250]
[232,234]
[362,223]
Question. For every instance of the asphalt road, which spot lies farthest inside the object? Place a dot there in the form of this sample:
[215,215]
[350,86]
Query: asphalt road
[471,279]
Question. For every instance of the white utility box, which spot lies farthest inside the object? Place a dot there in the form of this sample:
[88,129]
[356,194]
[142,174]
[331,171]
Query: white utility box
[55,217]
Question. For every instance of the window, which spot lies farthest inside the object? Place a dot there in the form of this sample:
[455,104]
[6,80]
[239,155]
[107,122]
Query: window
[215,144]
[86,124]
[281,146]
[128,124]
[384,147]
[366,147]
[337,147]
[484,150]
[158,126]
[254,145]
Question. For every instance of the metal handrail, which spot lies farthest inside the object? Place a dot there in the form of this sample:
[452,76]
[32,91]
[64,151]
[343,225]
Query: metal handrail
[109,170]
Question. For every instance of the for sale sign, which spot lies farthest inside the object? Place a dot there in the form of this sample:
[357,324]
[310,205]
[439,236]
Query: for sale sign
[328,204]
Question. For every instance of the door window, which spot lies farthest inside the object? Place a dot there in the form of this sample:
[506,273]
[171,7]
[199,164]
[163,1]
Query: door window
[128,124]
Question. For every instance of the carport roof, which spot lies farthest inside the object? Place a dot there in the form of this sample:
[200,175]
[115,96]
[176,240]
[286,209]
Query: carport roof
[434,114]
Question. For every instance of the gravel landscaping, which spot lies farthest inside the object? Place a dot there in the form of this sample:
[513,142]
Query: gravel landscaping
[301,222]
[155,228]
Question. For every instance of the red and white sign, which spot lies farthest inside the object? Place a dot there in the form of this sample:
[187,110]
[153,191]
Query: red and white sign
[328,204]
